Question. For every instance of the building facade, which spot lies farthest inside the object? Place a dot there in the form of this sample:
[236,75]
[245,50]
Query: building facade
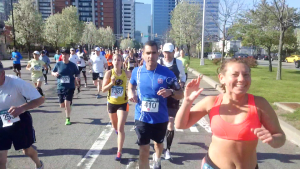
[142,22]
[45,7]
[128,18]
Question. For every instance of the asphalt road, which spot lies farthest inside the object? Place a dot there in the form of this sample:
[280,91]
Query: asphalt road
[275,64]
[90,141]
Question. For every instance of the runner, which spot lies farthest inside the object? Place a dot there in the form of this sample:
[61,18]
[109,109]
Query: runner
[99,63]
[102,52]
[154,83]
[81,64]
[56,56]
[16,98]
[75,59]
[175,65]
[115,81]
[16,57]
[109,57]
[177,54]
[185,61]
[64,72]
[35,65]
[45,59]
[130,61]
[236,118]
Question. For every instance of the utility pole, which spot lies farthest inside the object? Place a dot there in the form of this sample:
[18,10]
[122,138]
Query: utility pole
[203,26]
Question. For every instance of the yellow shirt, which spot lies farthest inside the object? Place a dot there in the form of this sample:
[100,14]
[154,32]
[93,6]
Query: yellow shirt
[117,93]
[36,68]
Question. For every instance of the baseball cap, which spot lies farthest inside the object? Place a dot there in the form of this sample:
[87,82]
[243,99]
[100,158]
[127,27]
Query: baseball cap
[168,47]
[72,49]
[66,51]
[97,49]
[36,52]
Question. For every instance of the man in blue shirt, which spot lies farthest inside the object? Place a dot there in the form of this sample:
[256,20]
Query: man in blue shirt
[154,83]
[65,72]
[102,51]
[16,57]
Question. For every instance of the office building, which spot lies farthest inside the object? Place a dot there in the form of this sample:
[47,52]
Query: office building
[161,12]
[128,25]
[142,22]
[45,7]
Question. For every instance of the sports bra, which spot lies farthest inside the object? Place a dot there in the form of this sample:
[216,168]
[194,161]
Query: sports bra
[241,131]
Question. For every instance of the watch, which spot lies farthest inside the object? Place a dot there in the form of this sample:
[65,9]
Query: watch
[172,92]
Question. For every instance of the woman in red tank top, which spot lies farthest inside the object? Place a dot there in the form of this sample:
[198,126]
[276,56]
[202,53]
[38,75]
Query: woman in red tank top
[236,119]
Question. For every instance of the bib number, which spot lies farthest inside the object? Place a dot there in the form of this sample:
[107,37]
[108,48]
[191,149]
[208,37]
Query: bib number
[150,105]
[65,79]
[7,119]
[117,91]
[37,68]
[131,64]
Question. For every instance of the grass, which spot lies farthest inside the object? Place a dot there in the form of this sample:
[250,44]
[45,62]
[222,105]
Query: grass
[292,116]
[263,83]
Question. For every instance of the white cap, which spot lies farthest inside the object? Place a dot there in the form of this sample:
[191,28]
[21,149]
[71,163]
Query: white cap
[97,49]
[71,49]
[168,47]
[36,52]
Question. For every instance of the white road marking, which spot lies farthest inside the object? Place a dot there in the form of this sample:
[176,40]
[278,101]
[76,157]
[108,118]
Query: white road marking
[96,148]
[132,129]
[194,128]
[203,123]
[178,129]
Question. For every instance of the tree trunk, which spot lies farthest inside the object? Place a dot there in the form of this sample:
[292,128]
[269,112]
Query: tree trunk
[28,47]
[223,40]
[188,50]
[282,30]
[270,61]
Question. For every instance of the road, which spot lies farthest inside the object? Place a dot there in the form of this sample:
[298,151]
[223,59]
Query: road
[275,64]
[91,143]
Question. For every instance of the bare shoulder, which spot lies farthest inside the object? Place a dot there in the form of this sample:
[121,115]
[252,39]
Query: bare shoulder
[261,103]
[205,104]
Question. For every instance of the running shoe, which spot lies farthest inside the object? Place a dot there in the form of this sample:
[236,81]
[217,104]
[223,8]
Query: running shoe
[116,132]
[46,83]
[118,157]
[42,167]
[156,162]
[78,90]
[68,122]
[85,85]
[168,155]
[98,96]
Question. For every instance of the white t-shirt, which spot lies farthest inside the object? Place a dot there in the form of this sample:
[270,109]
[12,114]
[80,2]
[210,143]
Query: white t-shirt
[179,66]
[81,60]
[13,91]
[125,56]
[74,59]
[98,63]
[176,55]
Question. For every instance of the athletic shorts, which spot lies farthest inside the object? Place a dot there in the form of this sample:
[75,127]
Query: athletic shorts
[147,132]
[131,68]
[83,69]
[113,108]
[37,79]
[172,112]
[208,164]
[21,134]
[17,66]
[110,67]
[97,76]
[66,94]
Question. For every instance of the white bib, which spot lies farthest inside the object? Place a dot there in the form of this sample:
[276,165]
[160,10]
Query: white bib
[7,119]
[131,64]
[117,91]
[37,68]
[150,105]
[65,79]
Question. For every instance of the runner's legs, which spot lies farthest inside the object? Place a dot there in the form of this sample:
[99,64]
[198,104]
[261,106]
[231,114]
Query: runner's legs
[144,156]
[3,159]
[32,153]
[122,117]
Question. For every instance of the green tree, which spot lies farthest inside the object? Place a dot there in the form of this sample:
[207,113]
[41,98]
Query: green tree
[53,30]
[186,25]
[127,43]
[28,23]
[90,35]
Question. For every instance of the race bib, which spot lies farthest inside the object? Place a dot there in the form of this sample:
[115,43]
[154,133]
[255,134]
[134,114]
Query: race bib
[7,119]
[131,64]
[65,79]
[83,69]
[37,68]
[14,59]
[117,91]
[79,62]
[150,105]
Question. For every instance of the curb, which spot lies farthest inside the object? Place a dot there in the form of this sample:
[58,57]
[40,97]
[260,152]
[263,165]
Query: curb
[284,107]
[292,134]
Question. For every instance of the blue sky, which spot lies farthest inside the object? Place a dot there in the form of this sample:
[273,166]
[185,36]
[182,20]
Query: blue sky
[291,3]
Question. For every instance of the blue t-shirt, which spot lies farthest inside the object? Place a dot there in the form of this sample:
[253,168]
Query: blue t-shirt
[66,79]
[56,56]
[150,82]
[16,56]
[102,53]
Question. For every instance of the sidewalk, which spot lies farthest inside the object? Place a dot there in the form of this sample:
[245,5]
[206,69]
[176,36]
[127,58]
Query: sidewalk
[292,134]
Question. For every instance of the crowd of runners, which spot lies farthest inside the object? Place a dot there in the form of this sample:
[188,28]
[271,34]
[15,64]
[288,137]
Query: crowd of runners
[154,78]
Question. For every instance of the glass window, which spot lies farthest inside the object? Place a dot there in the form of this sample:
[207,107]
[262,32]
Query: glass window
[102,18]
[101,8]
[127,13]
[102,23]
[67,2]
[102,13]
[101,3]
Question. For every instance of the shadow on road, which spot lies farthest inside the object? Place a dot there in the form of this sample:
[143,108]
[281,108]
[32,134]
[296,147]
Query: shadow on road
[93,121]
[284,158]
[43,111]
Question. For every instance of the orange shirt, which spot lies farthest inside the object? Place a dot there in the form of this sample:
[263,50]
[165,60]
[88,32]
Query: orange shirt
[109,59]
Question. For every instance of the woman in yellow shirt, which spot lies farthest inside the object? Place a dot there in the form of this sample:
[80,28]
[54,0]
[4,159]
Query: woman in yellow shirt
[114,82]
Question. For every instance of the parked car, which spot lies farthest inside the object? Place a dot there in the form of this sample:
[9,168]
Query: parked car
[214,55]
[292,58]
[240,55]
[297,64]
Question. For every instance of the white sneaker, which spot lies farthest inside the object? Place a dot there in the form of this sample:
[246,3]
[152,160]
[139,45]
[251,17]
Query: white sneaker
[42,167]
[46,83]
[156,162]
[168,155]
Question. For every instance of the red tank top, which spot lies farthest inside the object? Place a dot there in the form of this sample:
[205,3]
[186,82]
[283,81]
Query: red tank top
[240,131]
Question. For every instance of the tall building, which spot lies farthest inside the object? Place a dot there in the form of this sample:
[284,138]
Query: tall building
[211,30]
[45,7]
[161,13]
[142,22]
[128,19]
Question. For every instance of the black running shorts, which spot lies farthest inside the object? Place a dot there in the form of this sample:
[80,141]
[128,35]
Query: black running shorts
[17,66]
[147,132]
[66,94]
[113,108]
[97,76]
[21,134]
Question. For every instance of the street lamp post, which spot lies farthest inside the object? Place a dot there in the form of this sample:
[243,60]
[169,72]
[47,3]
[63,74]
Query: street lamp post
[203,26]
[13,23]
